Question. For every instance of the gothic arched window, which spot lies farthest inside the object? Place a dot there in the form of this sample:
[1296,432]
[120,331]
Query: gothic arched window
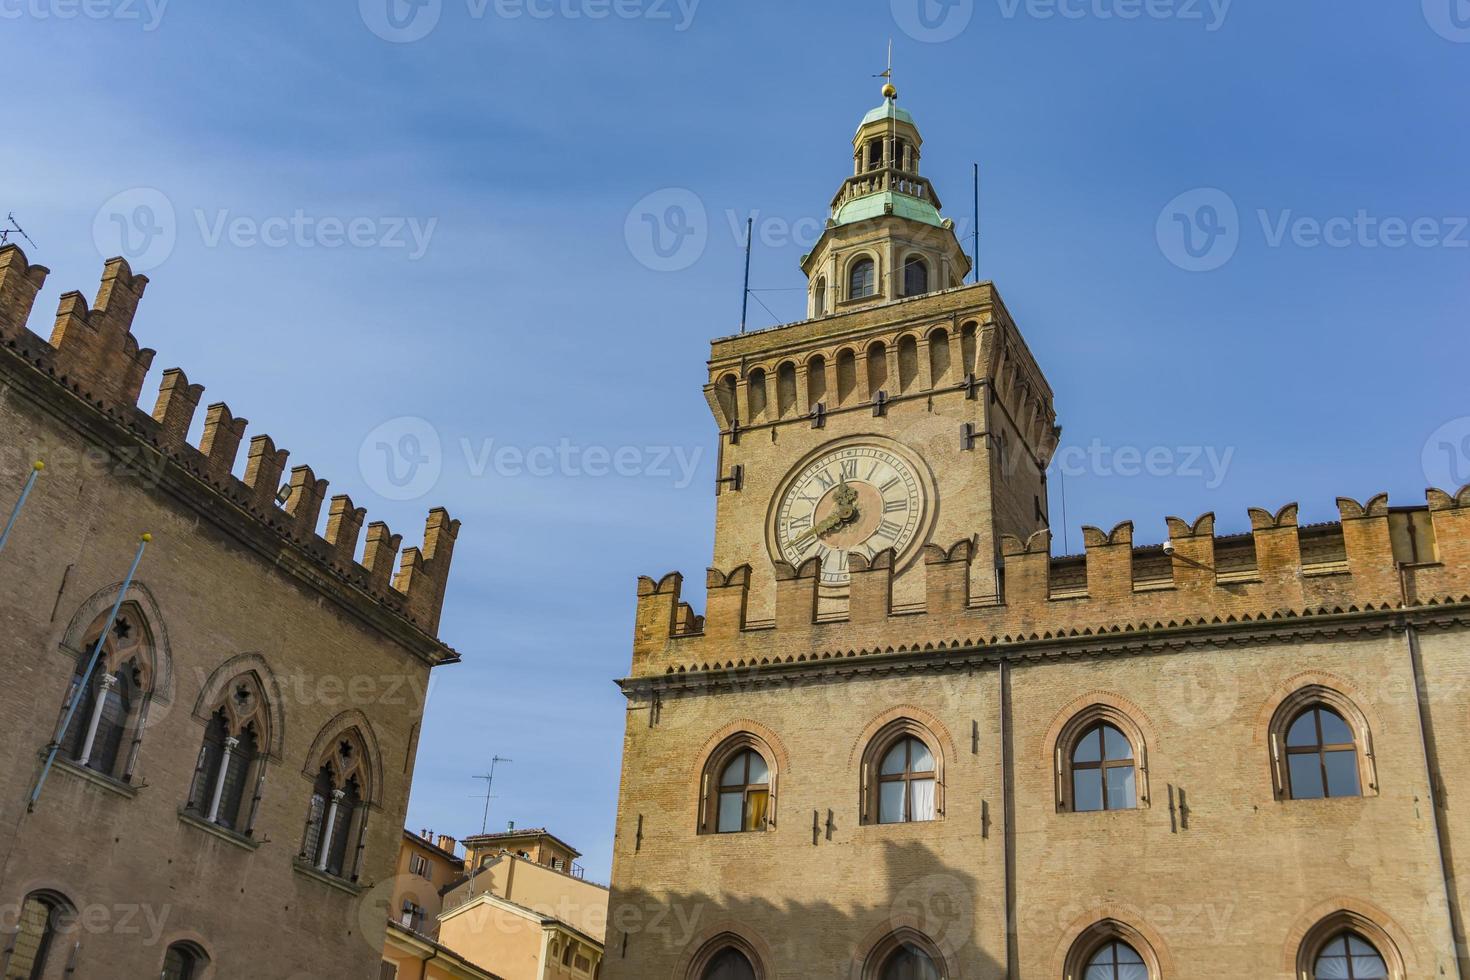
[1103,772]
[336,818]
[819,297]
[1348,956]
[109,704]
[729,964]
[43,916]
[903,775]
[739,787]
[230,769]
[862,279]
[1116,961]
[909,962]
[915,276]
[1321,756]
[184,961]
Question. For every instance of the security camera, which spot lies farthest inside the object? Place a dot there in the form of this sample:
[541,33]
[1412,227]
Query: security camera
[1168,547]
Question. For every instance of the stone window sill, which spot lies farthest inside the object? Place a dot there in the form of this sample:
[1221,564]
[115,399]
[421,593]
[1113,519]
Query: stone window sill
[331,881]
[126,790]
[223,833]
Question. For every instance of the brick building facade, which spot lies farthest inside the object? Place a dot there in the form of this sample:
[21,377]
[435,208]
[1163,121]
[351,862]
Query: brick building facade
[235,774]
[904,740]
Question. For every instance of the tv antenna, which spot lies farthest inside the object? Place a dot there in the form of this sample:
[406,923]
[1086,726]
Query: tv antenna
[489,782]
[14,228]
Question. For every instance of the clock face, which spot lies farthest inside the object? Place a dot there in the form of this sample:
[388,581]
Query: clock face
[858,498]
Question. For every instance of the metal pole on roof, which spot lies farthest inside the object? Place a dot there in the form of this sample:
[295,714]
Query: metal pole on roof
[745,296]
[77,699]
[977,222]
[25,492]
[489,782]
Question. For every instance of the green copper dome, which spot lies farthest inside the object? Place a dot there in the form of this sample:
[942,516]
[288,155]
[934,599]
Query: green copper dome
[877,205]
[888,110]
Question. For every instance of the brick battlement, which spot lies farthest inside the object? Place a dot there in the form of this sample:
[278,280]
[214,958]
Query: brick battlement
[93,355]
[1376,558]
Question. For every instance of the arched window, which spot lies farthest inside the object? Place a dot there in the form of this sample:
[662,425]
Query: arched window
[1116,961]
[909,962]
[819,297]
[43,917]
[729,964]
[861,279]
[336,814]
[107,723]
[755,393]
[906,954]
[1348,956]
[184,961]
[1103,776]
[739,787]
[228,774]
[745,792]
[906,783]
[785,389]
[915,276]
[1321,756]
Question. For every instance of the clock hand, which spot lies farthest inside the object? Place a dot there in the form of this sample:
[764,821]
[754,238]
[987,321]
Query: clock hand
[844,515]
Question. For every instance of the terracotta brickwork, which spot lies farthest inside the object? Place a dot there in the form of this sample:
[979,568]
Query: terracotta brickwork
[241,616]
[1000,658]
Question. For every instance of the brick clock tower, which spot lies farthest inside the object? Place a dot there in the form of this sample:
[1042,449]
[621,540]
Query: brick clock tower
[903,418]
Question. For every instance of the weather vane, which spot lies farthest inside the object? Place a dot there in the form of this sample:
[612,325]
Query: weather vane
[889,90]
[14,229]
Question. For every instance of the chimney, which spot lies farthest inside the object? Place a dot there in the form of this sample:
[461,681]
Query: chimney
[447,843]
[510,826]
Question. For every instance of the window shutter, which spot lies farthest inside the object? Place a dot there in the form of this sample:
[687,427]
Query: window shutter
[1276,766]
[704,803]
[863,796]
[1063,800]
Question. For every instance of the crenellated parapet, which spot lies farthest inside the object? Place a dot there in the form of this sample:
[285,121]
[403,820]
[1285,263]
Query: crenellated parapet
[93,358]
[1375,560]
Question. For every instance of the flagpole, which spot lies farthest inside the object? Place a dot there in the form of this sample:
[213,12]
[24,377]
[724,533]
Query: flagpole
[87,674]
[25,492]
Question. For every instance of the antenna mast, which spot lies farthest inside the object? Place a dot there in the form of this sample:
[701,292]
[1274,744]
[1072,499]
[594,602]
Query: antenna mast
[489,782]
[14,229]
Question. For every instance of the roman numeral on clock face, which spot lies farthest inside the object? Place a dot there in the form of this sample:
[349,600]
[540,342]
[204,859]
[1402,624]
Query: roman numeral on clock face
[825,479]
[889,530]
[889,506]
[849,469]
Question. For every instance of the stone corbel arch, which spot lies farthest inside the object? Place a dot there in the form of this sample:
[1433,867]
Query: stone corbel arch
[254,667]
[347,724]
[1314,929]
[1081,714]
[157,656]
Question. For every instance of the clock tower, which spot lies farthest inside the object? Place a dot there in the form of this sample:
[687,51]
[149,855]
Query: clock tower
[906,412]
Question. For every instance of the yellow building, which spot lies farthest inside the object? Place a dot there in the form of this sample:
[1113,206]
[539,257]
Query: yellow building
[904,741]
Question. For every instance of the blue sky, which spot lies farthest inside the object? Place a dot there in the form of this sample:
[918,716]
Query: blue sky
[369,229]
